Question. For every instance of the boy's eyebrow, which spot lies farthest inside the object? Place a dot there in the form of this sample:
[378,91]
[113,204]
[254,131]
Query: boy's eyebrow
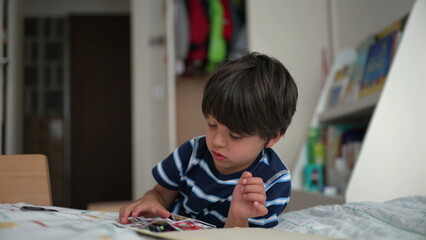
[208,118]
[241,134]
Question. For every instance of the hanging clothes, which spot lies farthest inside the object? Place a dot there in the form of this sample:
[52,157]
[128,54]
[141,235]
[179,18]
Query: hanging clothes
[217,45]
[181,32]
[238,45]
[227,21]
[199,29]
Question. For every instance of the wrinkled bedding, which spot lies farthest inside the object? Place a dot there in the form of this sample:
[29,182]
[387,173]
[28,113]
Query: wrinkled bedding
[402,218]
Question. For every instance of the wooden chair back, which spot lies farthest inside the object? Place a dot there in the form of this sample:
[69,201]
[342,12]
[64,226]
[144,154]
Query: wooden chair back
[25,178]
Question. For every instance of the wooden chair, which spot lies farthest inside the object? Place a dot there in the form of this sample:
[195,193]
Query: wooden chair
[25,178]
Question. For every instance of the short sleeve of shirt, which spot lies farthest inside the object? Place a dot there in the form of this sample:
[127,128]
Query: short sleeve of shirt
[277,195]
[168,172]
[278,190]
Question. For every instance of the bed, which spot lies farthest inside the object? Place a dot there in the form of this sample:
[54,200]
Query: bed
[401,218]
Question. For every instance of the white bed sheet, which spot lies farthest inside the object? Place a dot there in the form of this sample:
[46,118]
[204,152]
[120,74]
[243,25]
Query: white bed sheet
[402,218]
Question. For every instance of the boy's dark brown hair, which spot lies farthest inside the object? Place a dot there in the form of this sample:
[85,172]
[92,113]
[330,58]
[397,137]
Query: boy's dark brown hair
[251,95]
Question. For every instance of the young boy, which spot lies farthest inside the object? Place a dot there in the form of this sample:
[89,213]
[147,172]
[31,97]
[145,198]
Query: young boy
[230,177]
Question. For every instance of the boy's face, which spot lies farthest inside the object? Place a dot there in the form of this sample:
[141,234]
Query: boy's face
[232,152]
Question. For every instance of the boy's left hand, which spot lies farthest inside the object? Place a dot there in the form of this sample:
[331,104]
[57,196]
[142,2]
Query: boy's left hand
[248,198]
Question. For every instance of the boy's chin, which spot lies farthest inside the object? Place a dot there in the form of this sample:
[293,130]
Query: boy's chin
[222,169]
[226,170]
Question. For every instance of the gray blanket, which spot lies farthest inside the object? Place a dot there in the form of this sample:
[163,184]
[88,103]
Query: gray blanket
[402,218]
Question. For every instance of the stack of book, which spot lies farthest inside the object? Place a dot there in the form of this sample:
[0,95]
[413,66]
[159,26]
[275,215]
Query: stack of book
[332,153]
[367,74]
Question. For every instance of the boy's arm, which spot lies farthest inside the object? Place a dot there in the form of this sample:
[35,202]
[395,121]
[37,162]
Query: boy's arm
[154,204]
[248,201]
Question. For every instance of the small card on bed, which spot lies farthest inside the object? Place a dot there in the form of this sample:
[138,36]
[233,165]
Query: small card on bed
[171,224]
[183,228]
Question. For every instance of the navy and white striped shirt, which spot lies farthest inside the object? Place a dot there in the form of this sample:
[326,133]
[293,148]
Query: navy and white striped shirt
[205,193]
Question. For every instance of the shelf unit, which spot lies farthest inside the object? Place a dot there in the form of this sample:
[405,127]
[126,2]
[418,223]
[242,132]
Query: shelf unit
[364,106]
[300,197]
[391,160]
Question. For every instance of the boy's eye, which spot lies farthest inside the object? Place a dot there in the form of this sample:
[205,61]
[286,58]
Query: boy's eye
[211,125]
[235,136]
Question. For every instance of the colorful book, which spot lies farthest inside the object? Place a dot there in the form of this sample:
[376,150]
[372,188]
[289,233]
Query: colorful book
[314,135]
[355,71]
[338,86]
[314,180]
[343,146]
[377,66]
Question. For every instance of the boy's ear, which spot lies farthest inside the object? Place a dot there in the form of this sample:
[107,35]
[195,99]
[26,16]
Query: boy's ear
[272,141]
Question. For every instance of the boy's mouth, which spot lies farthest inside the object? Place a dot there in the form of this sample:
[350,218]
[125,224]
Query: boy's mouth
[218,156]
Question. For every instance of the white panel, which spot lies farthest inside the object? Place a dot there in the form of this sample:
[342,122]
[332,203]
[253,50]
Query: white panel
[392,162]
[13,109]
[343,58]
[171,75]
[150,136]
[2,68]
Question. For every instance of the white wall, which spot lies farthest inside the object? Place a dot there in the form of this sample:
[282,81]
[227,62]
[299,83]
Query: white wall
[295,32]
[354,21]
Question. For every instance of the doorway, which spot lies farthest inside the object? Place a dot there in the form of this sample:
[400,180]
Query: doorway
[100,103]
[77,103]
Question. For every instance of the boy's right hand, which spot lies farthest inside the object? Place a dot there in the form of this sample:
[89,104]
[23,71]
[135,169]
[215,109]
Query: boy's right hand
[153,204]
[145,206]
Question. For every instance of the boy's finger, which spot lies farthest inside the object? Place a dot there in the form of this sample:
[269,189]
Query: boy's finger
[162,213]
[247,174]
[261,209]
[244,177]
[255,197]
[124,219]
[253,180]
[137,210]
[254,188]
[125,213]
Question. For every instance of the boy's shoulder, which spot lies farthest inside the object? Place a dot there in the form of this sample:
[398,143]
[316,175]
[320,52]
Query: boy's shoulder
[197,144]
[271,167]
[193,148]
[273,159]
[200,145]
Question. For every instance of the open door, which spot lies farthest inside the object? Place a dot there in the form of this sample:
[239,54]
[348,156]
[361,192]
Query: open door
[100,103]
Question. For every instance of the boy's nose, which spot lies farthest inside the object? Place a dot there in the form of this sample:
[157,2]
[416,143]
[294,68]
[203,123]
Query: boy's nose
[219,140]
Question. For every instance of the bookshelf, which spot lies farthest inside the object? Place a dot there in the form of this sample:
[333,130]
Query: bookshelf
[391,149]
[364,106]
[392,161]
